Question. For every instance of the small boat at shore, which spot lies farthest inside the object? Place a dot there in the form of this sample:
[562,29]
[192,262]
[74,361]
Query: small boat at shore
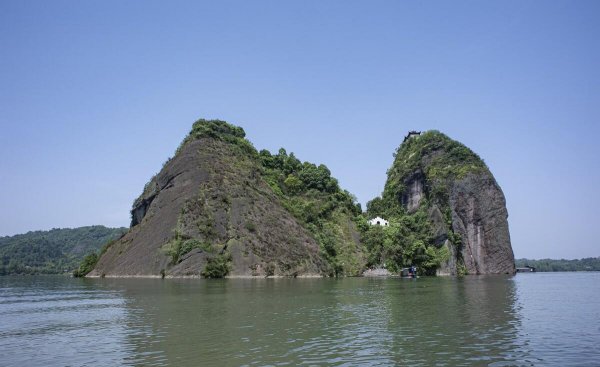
[410,272]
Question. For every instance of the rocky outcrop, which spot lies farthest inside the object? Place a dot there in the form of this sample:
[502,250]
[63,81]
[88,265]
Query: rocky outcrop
[465,206]
[439,228]
[479,218]
[208,202]
[414,193]
[142,205]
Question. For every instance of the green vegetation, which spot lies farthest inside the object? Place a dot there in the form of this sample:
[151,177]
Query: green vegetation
[586,264]
[217,266]
[179,247]
[436,160]
[87,265]
[52,252]
[220,130]
[219,259]
[306,190]
[330,214]
[314,197]
[406,241]
[436,157]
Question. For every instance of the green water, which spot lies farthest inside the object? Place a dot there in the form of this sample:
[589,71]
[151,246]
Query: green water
[529,319]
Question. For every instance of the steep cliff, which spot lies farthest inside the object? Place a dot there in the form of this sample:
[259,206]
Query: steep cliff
[218,208]
[446,192]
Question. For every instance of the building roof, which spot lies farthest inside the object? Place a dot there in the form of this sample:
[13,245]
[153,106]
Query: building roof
[378,220]
[412,133]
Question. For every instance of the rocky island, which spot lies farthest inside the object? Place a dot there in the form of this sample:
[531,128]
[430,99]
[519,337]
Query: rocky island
[447,211]
[221,208]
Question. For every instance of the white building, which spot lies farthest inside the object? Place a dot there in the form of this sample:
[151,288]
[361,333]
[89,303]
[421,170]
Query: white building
[379,222]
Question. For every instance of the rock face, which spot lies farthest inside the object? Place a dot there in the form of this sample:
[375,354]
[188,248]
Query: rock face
[414,192]
[479,216]
[211,202]
[465,205]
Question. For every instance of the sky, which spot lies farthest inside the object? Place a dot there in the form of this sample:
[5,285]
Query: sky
[96,95]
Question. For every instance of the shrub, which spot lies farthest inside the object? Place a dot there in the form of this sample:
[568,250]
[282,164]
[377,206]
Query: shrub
[217,266]
[178,247]
[86,266]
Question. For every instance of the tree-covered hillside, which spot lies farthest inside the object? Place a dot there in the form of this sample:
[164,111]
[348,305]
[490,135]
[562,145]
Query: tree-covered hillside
[315,198]
[586,264]
[52,252]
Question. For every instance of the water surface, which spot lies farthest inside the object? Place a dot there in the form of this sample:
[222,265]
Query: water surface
[530,319]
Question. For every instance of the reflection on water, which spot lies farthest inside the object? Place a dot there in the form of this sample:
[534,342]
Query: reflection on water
[498,321]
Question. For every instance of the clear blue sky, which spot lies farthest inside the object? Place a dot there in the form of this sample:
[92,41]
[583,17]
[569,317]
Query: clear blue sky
[95,95]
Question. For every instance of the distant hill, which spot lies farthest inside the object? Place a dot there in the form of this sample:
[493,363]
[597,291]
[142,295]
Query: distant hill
[52,252]
[586,264]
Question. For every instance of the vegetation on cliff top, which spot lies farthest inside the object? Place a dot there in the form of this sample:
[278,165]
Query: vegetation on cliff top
[220,130]
[52,252]
[436,157]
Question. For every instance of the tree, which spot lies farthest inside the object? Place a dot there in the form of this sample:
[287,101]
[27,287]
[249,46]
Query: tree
[87,265]
[293,184]
[375,207]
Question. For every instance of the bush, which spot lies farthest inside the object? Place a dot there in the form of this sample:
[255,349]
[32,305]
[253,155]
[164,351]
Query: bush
[178,247]
[217,128]
[86,266]
[217,266]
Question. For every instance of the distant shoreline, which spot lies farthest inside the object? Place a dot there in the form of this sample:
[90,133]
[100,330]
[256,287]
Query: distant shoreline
[69,275]
[558,265]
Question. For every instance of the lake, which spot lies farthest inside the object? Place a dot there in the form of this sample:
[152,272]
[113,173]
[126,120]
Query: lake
[529,319]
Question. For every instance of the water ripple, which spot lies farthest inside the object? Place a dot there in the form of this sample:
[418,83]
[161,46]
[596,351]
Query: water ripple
[495,321]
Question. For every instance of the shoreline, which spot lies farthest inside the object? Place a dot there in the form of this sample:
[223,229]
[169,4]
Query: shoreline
[306,276]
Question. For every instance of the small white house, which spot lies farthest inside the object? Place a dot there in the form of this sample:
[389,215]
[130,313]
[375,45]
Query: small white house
[379,222]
